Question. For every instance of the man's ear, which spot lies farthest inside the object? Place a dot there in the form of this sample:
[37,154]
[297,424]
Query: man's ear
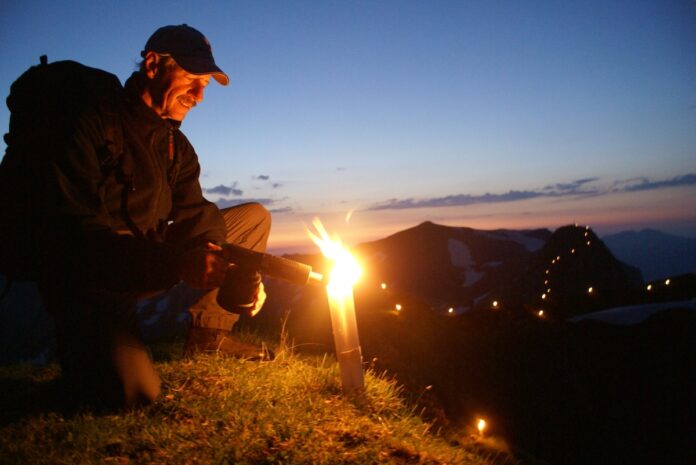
[151,64]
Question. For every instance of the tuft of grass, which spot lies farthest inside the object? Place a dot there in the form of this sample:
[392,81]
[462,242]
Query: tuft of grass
[217,410]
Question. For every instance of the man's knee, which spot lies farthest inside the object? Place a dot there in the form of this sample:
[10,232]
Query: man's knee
[248,225]
[260,214]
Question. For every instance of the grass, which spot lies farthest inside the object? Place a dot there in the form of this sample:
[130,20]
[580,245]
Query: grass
[215,410]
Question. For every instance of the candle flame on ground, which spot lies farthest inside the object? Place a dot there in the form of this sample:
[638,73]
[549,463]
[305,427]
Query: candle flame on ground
[346,270]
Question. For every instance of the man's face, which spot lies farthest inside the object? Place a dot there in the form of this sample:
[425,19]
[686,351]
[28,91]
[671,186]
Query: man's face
[174,91]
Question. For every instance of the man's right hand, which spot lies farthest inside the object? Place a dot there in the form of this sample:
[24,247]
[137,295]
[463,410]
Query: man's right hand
[203,268]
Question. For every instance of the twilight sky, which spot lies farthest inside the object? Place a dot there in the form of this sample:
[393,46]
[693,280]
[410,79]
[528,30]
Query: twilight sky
[487,114]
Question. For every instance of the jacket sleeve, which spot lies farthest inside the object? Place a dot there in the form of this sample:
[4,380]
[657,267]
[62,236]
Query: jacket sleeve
[195,220]
[77,238]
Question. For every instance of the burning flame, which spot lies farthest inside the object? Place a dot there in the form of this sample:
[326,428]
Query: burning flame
[481,426]
[346,271]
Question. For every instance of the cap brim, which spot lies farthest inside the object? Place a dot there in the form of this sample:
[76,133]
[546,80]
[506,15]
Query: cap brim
[202,65]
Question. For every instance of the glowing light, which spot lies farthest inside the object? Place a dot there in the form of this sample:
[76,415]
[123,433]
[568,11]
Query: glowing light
[383,285]
[495,304]
[349,215]
[541,313]
[547,271]
[590,290]
[553,261]
[589,242]
[481,426]
[649,287]
[558,258]
[667,281]
[450,310]
[587,227]
[572,250]
[548,291]
[344,274]
[398,307]
[546,281]
[586,234]
[543,296]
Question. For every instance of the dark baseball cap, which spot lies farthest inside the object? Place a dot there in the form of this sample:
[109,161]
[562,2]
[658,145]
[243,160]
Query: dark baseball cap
[189,48]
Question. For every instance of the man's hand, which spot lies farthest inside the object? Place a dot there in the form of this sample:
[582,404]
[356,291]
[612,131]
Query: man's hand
[203,268]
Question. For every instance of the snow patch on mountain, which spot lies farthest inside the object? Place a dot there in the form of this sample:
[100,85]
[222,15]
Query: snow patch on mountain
[633,314]
[530,243]
[460,255]
[472,277]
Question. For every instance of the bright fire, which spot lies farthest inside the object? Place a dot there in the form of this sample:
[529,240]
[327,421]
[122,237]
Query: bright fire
[346,270]
[481,426]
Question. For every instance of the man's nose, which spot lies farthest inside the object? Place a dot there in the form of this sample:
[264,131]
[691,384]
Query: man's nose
[197,92]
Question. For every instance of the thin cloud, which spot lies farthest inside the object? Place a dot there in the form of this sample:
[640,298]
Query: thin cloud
[645,184]
[261,177]
[456,200]
[225,203]
[572,189]
[281,210]
[225,191]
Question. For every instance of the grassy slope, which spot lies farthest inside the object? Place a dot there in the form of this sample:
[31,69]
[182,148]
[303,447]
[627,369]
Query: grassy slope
[216,410]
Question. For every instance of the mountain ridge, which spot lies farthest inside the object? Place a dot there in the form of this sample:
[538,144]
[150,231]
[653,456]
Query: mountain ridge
[656,253]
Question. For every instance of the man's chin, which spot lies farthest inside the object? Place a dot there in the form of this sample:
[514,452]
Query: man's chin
[178,116]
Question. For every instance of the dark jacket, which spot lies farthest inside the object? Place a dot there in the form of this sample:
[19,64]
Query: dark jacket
[123,225]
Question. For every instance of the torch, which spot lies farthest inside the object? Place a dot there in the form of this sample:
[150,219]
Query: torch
[343,276]
[271,265]
[238,291]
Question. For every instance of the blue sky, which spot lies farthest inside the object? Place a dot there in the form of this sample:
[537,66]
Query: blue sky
[485,114]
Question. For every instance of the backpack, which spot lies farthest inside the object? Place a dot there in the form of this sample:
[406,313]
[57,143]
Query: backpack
[44,103]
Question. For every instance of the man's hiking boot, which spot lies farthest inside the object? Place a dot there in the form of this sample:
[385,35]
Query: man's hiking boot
[220,341]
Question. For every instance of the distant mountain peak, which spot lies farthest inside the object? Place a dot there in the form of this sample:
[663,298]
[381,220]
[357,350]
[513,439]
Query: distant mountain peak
[656,253]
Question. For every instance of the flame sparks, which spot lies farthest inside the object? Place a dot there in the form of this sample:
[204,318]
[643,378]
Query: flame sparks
[346,271]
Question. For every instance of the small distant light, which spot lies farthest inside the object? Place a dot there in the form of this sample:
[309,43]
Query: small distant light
[450,310]
[667,281]
[558,258]
[586,234]
[398,307]
[553,261]
[541,313]
[590,290]
[587,227]
[572,250]
[589,242]
[495,304]
[383,285]
[546,281]
[481,426]
[543,296]
[548,291]
[547,271]
[649,287]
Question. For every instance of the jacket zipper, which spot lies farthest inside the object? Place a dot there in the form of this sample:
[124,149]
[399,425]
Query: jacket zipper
[171,143]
